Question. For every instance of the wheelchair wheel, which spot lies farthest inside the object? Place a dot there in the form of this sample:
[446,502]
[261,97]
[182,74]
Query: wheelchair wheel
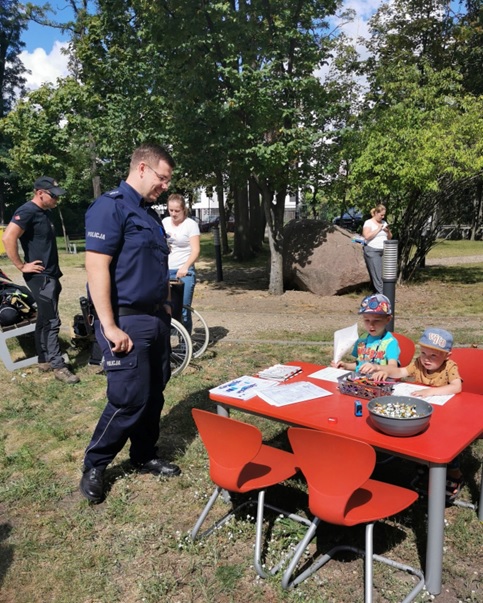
[200,333]
[181,348]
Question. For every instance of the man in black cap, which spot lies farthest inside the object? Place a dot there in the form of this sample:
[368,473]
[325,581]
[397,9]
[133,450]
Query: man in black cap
[31,226]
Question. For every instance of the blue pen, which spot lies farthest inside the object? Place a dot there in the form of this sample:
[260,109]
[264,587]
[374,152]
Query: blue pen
[247,387]
[230,385]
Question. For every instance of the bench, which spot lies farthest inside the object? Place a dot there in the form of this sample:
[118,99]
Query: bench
[21,328]
[453,232]
[73,241]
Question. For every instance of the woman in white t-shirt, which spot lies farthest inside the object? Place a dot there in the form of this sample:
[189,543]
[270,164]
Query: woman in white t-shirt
[184,241]
[375,231]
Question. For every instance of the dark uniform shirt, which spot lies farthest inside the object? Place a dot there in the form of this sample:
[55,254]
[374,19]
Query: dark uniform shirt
[118,225]
[38,241]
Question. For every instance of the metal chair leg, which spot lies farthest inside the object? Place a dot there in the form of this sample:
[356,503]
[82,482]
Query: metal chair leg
[205,512]
[368,555]
[219,522]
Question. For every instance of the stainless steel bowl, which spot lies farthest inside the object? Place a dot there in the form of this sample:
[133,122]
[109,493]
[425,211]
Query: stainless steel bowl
[399,425]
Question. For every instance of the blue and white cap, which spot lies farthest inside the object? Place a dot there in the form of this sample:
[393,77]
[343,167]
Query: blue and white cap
[437,339]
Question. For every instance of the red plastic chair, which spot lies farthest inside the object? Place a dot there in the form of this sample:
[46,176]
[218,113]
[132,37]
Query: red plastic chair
[338,470]
[470,367]
[407,348]
[240,462]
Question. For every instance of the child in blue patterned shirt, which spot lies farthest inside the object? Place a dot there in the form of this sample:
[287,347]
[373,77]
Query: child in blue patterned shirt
[378,346]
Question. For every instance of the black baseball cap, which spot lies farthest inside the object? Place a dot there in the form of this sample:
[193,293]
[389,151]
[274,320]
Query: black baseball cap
[48,184]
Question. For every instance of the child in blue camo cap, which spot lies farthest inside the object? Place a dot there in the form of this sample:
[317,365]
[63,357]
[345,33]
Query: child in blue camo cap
[377,347]
[433,368]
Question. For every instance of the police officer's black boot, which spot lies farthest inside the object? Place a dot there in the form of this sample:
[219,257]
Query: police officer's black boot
[92,484]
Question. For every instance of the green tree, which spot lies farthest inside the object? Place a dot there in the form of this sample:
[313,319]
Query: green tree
[469,52]
[44,131]
[34,127]
[245,100]
[12,82]
[98,115]
[329,192]
[231,86]
[415,152]
[416,139]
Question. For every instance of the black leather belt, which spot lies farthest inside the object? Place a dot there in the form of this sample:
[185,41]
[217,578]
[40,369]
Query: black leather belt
[137,310]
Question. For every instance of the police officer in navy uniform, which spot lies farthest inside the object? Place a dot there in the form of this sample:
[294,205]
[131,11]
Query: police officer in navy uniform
[128,283]
[32,226]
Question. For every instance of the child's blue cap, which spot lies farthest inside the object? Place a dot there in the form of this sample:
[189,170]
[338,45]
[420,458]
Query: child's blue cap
[376,304]
[437,339]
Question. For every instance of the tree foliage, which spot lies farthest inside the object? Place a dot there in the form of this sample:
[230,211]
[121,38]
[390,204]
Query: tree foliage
[244,90]
[419,133]
[12,81]
[259,99]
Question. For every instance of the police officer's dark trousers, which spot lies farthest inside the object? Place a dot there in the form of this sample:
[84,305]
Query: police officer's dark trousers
[135,385]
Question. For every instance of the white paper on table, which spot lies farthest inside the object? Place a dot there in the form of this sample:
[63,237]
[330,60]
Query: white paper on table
[407,389]
[242,388]
[279,372]
[329,374]
[299,391]
[344,340]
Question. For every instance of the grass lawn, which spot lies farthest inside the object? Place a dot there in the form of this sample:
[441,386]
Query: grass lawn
[445,249]
[135,548]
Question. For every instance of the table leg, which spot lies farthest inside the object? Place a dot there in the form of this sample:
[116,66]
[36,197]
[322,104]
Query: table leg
[221,410]
[224,412]
[434,547]
[480,504]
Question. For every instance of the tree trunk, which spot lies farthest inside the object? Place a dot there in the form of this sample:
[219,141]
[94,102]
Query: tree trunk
[64,232]
[225,249]
[96,180]
[274,207]
[2,203]
[477,220]
[257,216]
[96,186]
[241,245]
[275,286]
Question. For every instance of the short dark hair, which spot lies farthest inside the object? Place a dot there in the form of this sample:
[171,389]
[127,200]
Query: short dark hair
[151,152]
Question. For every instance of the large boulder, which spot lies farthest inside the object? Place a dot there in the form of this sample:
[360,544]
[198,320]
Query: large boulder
[321,258]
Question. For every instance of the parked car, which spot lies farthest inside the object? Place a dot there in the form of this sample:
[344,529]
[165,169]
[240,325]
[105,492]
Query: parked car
[207,225]
[350,220]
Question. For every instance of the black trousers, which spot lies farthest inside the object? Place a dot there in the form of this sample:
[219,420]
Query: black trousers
[46,291]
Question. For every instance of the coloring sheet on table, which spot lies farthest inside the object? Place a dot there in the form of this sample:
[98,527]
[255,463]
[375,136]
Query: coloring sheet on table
[300,391]
[329,374]
[344,340]
[407,389]
[243,388]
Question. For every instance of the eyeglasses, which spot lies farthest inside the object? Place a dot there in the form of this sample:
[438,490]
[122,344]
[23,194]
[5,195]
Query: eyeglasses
[162,179]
